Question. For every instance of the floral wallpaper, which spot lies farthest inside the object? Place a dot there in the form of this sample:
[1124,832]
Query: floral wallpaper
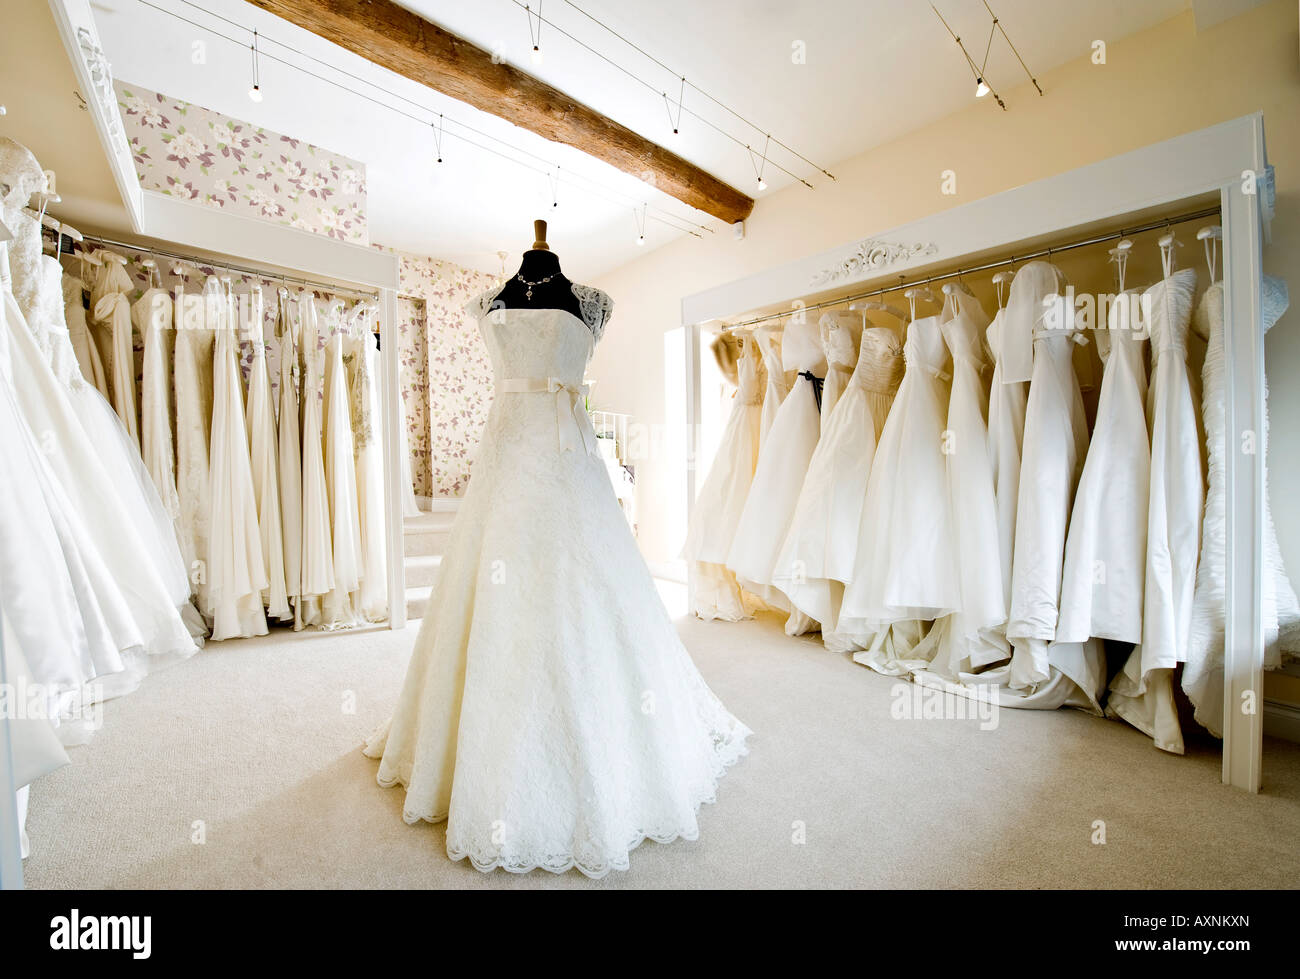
[194,153]
[446,375]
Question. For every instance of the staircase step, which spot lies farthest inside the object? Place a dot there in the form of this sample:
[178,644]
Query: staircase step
[422,570]
[417,600]
[427,544]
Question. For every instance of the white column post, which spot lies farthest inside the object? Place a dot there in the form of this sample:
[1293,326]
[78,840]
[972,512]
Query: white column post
[393,489]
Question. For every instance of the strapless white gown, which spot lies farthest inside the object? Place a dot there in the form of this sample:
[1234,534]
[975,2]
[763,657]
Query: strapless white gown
[550,713]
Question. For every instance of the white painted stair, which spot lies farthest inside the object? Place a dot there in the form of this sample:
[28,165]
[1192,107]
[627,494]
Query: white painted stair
[424,539]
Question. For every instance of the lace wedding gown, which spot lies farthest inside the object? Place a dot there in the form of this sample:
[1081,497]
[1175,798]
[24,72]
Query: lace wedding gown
[289,448]
[715,594]
[264,456]
[317,563]
[372,600]
[1280,612]
[841,335]
[339,605]
[550,713]
[769,339]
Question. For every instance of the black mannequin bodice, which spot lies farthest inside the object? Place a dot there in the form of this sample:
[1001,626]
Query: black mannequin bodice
[556,294]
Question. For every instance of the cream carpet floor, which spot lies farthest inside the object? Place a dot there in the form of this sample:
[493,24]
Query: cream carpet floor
[241,768]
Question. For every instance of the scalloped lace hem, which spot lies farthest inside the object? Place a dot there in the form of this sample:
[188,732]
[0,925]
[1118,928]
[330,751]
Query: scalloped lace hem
[728,753]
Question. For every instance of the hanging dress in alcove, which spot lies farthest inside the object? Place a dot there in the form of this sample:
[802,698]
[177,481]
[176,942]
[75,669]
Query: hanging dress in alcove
[263,447]
[236,566]
[289,448]
[1279,611]
[823,537]
[154,316]
[841,335]
[196,319]
[373,597]
[972,637]
[317,565]
[1105,551]
[769,340]
[83,344]
[338,607]
[782,463]
[714,592]
[1044,674]
[1142,692]
[113,311]
[906,567]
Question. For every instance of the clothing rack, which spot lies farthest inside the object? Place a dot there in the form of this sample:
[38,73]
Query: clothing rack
[1041,253]
[199,262]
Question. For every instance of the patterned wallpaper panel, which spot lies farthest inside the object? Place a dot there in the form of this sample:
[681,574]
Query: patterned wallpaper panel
[446,375]
[194,153]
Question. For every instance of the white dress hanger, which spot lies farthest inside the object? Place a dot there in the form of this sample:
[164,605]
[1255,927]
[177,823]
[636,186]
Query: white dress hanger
[1211,235]
[1168,257]
[1000,279]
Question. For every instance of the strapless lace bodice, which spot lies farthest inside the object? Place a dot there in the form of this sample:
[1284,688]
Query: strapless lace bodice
[925,347]
[596,307]
[880,362]
[801,346]
[841,334]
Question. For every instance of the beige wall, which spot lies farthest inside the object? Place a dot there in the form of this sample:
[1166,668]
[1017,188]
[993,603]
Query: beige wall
[1156,84]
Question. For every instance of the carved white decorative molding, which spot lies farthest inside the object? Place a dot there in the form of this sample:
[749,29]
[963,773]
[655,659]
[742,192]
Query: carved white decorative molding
[101,75]
[870,254]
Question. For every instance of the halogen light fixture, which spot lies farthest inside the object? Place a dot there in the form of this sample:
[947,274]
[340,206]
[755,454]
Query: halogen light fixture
[255,93]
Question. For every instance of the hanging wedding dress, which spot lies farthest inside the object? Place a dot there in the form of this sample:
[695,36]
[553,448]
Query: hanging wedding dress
[289,456]
[1105,552]
[263,450]
[317,564]
[823,538]
[236,566]
[841,334]
[1142,693]
[154,316]
[972,637]
[1046,674]
[197,318]
[87,452]
[769,340]
[782,463]
[113,311]
[373,597]
[545,739]
[714,592]
[906,564]
[83,344]
[1279,612]
[339,604]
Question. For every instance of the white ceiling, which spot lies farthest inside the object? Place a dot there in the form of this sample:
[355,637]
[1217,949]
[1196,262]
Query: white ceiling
[874,70]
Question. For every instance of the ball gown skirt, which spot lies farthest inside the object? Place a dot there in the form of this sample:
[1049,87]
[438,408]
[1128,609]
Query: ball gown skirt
[550,714]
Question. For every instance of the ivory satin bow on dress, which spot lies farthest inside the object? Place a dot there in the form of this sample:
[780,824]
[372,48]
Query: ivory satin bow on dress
[573,427]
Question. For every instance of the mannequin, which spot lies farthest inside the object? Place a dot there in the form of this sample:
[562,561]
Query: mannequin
[539,265]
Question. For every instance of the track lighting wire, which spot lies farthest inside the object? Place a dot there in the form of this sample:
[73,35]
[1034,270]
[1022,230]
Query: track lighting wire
[669,219]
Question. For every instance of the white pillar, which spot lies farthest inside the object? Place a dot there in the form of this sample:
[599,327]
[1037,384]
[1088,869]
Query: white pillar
[393,491]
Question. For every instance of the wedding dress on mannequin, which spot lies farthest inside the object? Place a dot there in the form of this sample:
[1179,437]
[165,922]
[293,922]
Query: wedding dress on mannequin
[263,444]
[782,463]
[236,566]
[523,725]
[1203,674]
[906,568]
[1142,692]
[289,455]
[715,593]
[823,538]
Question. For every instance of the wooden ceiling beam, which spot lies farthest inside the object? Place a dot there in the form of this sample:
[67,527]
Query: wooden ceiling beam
[397,39]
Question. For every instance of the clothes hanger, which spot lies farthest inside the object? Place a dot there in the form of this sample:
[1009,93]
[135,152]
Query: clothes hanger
[150,267]
[1168,256]
[1000,280]
[1211,235]
[915,293]
[1119,255]
[866,304]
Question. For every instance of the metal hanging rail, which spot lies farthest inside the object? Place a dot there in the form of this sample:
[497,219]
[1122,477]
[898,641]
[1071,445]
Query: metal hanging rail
[1029,256]
[200,262]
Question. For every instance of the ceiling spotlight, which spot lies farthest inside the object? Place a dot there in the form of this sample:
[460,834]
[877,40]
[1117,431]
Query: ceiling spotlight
[981,88]
[641,240]
[537,55]
[762,184]
[255,93]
